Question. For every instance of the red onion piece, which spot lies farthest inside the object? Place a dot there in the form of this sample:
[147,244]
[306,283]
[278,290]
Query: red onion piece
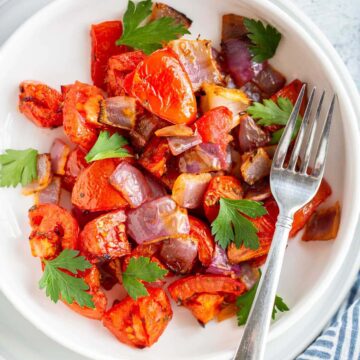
[269,80]
[179,254]
[118,111]
[161,10]
[259,191]
[157,219]
[251,136]
[179,144]
[51,194]
[233,27]
[59,154]
[156,189]
[220,265]
[44,175]
[255,166]
[237,60]
[205,157]
[189,189]
[196,57]
[131,183]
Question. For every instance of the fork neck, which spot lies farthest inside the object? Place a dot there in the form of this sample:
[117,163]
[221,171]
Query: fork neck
[285,221]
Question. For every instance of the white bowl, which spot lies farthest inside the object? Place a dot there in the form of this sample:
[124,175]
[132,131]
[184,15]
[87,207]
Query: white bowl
[53,47]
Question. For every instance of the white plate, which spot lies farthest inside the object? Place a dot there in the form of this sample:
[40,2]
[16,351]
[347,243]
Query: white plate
[54,47]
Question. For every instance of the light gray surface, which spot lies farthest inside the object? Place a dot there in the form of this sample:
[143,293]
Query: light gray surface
[338,19]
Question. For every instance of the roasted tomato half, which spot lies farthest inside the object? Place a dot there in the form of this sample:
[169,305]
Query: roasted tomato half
[162,86]
[92,190]
[140,322]
[266,228]
[303,215]
[119,67]
[291,92]
[75,164]
[41,104]
[81,111]
[103,38]
[53,229]
[92,278]
[104,238]
[220,186]
[214,126]
[206,244]
[204,295]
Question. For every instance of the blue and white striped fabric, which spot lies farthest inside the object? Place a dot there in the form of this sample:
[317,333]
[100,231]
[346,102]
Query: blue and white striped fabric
[341,340]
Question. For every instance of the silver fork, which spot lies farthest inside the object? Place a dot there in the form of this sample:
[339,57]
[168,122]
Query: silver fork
[292,188]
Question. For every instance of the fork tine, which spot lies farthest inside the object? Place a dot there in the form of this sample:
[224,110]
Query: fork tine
[311,135]
[281,151]
[324,142]
[301,134]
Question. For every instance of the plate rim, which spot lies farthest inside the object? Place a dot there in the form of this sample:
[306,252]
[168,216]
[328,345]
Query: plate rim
[322,44]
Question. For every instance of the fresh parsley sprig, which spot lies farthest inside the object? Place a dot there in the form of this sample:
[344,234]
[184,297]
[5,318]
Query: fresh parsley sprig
[152,35]
[141,268]
[271,113]
[265,39]
[18,167]
[108,147]
[59,284]
[245,301]
[231,226]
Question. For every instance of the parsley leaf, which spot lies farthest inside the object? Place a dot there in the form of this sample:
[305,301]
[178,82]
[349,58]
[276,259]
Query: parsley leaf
[272,113]
[231,226]
[150,36]
[18,167]
[141,268]
[107,147]
[60,284]
[265,40]
[245,301]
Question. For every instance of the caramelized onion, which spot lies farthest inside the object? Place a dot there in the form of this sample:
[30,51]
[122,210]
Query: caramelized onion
[51,194]
[43,175]
[156,189]
[59,154]
[175,130]
[255,166]
[179,144]
[196,57]
[131,183]
[189,189]
[157,219]
[118,111]
[179,254]
[251,136]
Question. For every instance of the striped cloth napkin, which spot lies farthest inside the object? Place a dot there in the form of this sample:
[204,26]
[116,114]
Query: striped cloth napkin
[341,339]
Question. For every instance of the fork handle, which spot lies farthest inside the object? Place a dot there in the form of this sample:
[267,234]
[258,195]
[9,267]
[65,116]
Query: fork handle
[252,346]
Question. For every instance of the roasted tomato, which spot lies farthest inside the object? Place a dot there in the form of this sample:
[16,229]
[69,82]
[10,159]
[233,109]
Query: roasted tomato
[75,164]
[303,215]
[220,186]
[155,156]
[103,38]
[53,229]
[104,238]
[140,322]
[214,126]
[291,92]
[81,110]
[119,67]
[92,278]
[184,288]
[206,244]
[41,104]
[204,306]
[162,86]
[92,190]
[266,228]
